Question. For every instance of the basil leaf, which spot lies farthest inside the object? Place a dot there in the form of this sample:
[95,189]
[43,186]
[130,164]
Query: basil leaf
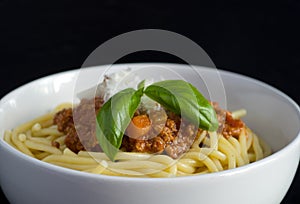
[113,119]
[184,99]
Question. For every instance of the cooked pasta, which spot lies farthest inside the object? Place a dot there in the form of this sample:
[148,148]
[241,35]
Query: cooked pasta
[210,152]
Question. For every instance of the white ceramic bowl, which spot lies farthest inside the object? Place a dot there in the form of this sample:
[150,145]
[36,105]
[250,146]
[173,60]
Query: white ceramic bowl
[272,114]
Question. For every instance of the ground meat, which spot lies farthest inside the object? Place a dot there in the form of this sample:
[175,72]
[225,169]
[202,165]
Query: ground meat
[183,141]
[156,144]
[232,127]
[227,125]
[79,125]
[55,144]
[169,134]
[174,139]
[64,120]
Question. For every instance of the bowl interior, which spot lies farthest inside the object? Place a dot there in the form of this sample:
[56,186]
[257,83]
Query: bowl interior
[270,113]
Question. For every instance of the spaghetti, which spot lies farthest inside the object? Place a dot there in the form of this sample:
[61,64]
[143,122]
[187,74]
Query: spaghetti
[210,152]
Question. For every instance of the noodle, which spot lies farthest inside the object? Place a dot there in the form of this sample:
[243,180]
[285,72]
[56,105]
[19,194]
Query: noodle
[210,152]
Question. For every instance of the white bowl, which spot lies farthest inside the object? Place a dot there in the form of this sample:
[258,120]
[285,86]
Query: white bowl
[271,114]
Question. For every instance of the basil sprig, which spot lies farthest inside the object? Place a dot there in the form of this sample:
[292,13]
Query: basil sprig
[178,96]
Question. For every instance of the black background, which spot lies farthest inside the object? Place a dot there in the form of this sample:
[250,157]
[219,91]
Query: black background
[257,39]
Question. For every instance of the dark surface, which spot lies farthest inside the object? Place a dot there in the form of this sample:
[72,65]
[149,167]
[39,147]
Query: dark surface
[260,40]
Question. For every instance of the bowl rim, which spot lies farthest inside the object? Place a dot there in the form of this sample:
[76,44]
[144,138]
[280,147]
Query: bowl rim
[293,144]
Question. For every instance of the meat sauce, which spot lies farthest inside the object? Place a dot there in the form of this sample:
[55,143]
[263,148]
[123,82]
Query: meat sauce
[164,133]
[84,115]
